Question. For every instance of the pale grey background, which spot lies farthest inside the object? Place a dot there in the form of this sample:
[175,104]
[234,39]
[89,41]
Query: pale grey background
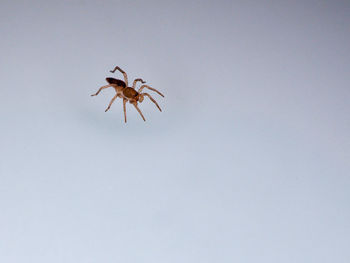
[248,162]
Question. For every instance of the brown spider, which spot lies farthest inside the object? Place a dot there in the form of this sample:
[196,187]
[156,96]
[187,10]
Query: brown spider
[128,93]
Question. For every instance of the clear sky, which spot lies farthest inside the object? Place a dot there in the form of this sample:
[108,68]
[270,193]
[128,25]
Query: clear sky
[248,162]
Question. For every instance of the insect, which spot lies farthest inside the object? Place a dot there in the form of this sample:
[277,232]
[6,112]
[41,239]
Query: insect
[128,93]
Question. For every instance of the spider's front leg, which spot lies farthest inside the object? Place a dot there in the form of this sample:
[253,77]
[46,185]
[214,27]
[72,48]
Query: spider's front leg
[136,80]
[135,105]
[148,87]
[153,100]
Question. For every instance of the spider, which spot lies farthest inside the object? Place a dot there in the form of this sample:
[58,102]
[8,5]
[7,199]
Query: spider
[128,93]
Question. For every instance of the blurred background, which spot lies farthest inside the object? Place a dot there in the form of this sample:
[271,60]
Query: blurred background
[248,162]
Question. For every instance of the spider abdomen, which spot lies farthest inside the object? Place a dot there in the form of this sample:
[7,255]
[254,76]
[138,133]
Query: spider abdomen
[117,82]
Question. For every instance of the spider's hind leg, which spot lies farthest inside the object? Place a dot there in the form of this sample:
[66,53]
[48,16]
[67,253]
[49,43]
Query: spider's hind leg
[103,87]
[123,72]
[113,99]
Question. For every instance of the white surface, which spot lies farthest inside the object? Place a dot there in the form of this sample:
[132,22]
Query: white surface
[248,162]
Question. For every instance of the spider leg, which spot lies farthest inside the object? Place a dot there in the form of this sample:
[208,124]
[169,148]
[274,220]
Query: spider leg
[113,99]
[148,87]
[103,87]
[135,104]
[136,80]
[123,72]
[124,102]
[153,100]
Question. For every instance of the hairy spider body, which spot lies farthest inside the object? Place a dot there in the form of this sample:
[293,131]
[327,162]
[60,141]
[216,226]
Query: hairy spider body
[117,82]
[128,93]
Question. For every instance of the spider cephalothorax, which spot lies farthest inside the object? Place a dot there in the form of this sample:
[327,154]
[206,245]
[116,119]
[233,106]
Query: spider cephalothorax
[128,93]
